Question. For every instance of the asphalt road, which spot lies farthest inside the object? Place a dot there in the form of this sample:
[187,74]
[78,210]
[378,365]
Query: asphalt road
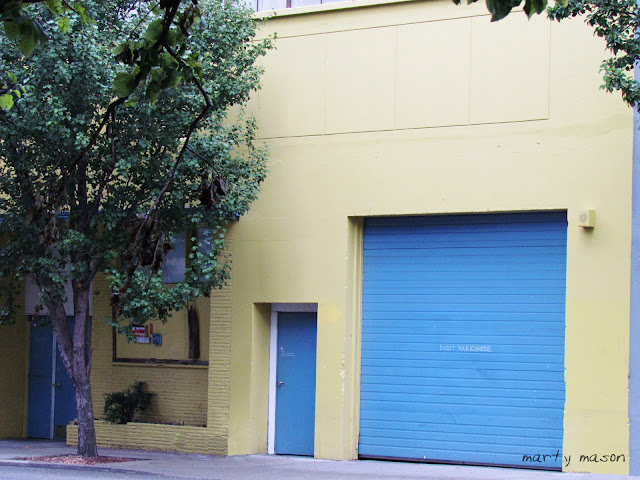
[45,473]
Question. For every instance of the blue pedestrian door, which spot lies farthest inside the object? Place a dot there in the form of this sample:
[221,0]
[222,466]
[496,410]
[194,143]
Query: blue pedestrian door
[463,328]
[296,384]
[51,400]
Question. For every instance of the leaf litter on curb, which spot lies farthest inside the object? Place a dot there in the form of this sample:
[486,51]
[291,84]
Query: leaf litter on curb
[78,459]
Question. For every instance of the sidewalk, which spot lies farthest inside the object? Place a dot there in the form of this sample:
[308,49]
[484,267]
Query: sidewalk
[272,467]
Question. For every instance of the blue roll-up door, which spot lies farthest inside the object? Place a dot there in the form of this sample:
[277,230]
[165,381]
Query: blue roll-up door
[463,324]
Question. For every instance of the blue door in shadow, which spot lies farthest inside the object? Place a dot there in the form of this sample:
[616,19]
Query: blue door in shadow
[296,384]
[51,401]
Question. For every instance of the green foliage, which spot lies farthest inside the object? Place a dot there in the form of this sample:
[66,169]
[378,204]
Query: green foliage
[122,407]
[617,22]
[10,90]
[160,58]
[123,85]
[89,184]
[501,8]
[22,25]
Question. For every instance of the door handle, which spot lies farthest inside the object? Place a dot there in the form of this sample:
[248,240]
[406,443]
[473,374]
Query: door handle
[281,383]
[57,385]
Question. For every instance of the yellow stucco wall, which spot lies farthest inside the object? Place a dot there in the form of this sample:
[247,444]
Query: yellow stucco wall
[14,365]
[14,358]
[428,108]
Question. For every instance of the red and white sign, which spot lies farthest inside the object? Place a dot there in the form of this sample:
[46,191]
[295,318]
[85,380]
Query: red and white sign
[139,331]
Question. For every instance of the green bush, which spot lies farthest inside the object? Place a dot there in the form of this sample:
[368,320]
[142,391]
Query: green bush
[121,407]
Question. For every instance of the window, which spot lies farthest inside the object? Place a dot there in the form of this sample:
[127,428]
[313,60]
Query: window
[175,263]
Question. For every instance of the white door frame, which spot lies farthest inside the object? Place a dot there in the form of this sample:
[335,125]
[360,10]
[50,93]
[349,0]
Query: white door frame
[273,363]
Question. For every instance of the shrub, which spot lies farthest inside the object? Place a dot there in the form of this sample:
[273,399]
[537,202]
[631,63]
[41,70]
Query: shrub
[121,407]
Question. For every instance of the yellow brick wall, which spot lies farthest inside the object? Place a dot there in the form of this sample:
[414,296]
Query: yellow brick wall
[149,436]
[190,395]
[219,363]
[181,391]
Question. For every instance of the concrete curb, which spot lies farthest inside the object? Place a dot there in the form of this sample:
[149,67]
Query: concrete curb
[61,466]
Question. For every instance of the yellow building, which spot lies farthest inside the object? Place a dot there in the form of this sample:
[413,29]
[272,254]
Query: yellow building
[438,267]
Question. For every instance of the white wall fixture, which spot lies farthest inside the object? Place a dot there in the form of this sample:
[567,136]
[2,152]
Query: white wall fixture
[586,218]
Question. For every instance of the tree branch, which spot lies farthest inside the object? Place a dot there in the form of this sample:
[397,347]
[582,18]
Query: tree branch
[185,144]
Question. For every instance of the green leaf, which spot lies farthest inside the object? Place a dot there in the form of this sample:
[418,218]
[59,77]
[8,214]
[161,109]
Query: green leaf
[172,79]
[158,75]
[532,7]
[169,61]
[84,18]
[28,44]
[174,37]
[64,24]
[6,101]
[55,6]
[123,85]
[153,90]
[11,29]
[154,30]
[12,10]
[501,8]
[12,77]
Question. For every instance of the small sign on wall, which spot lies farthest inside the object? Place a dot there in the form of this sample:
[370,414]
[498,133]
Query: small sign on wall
[142,339]
[139,331]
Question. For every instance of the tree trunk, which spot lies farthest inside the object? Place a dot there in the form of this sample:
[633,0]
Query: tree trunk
[87,444]
[75,351]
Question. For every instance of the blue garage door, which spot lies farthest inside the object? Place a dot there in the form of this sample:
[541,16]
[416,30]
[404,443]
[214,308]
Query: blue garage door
[463,321]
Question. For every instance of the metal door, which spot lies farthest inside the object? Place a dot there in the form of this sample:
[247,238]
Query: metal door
[463,323]
[51,400]
[296,384]
[40,383]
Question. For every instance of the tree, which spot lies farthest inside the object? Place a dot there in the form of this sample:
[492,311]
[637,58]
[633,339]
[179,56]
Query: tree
[105,159]
[169,33]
